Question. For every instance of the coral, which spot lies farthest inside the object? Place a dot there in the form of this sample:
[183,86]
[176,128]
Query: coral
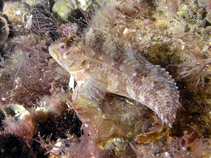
[74,148]
[56,102]
[190,145]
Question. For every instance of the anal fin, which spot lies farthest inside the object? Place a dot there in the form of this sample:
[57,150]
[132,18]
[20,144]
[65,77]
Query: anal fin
[153,135]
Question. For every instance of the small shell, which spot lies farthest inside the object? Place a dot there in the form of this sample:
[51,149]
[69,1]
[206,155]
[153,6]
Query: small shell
[17,111]
[208,17]
[18,15]
[4,31]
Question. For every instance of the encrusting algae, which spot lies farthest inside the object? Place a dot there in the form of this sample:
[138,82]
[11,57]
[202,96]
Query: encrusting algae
[118,102]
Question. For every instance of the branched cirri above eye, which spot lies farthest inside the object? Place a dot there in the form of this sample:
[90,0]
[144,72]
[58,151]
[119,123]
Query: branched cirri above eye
[62,47]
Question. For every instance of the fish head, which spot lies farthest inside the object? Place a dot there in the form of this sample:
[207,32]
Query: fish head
[67,54]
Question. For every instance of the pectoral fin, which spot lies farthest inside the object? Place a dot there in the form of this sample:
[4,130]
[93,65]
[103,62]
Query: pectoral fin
[91,90]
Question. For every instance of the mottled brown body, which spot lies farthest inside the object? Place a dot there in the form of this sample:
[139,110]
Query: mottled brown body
[100,66]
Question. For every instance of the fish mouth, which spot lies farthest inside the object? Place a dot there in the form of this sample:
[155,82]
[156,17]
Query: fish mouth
[52,53]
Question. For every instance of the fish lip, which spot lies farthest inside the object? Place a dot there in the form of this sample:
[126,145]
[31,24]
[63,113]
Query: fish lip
[52,52]
[50,49]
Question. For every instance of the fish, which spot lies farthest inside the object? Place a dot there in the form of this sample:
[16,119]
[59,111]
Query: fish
[101,65]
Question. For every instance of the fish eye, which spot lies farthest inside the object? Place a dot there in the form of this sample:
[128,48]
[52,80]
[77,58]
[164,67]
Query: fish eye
[62,47]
